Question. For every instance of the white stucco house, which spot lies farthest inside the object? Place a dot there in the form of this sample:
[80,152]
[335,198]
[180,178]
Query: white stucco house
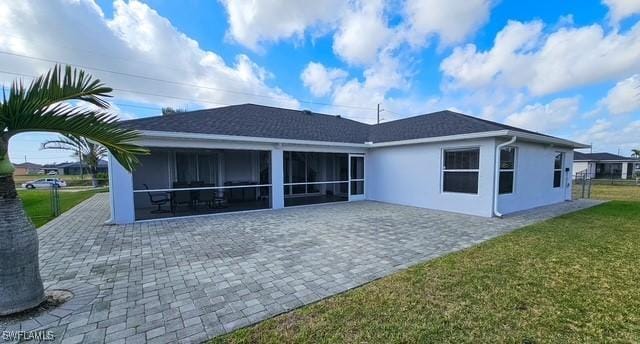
[604,166]
[249,157]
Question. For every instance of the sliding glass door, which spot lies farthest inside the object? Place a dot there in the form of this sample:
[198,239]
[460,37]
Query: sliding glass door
[356,177]
[313,177]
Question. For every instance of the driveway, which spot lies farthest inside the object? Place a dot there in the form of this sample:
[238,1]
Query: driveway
[193,279]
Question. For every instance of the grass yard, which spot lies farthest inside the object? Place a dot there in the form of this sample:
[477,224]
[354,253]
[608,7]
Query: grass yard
[570,279]
[616,192]
[37,203]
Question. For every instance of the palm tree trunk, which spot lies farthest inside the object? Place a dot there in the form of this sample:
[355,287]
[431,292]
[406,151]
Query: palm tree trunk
[94,176]
[20,283]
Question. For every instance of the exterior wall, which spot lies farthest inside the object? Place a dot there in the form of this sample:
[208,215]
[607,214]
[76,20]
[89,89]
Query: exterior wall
[534,178]
[579,166]
[121,193]
[412,175]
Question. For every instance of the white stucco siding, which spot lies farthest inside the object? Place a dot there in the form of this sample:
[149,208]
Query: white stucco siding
[412,175]
[121,193]
[534,178]
[580,166]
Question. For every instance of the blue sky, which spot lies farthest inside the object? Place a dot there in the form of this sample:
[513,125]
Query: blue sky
[567,68]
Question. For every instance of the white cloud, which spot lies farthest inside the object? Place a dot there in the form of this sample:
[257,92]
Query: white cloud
[137,40]
[362,33]
[620,9]
[253,22]
[379,79]
[452,20]
[546,117]
[567,58]
[624,97]
[607,136]
[320,79]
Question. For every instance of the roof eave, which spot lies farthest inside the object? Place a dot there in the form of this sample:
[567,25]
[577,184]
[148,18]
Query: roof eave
[547,139]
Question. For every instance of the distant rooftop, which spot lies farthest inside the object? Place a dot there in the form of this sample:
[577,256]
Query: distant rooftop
[578,156]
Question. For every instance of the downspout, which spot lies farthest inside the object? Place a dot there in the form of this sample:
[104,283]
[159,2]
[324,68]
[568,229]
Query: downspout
[496,176]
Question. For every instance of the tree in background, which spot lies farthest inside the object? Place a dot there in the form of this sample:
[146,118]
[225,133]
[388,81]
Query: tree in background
[166,111]
[635,153]
[44,106]
[87,152]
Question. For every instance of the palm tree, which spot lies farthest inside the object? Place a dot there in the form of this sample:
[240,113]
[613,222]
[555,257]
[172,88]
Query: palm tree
[635,153]
[43,106]
[85,150]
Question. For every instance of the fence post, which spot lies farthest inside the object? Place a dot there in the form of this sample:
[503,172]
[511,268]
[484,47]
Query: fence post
[55,200]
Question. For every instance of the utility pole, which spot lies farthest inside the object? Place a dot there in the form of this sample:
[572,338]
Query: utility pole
[378,113]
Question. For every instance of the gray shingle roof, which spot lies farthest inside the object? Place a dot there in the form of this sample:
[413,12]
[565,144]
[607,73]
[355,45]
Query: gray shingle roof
[600,157]
[271,122]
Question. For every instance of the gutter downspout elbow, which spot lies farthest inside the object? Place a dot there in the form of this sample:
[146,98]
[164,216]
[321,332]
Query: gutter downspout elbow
[496,176]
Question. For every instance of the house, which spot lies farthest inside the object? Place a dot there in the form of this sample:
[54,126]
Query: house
[25,169]
[73,168]
[51,168]
[604,166]
[248,157]
[77,168]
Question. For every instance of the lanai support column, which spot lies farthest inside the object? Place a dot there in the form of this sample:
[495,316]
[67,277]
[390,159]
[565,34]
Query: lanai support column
[277,178]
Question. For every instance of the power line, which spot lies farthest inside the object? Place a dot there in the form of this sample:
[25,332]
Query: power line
[156,94]
[144,77]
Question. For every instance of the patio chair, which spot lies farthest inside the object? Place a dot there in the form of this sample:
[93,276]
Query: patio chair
[195,194]
[179,198]
[158,199]
[207,196]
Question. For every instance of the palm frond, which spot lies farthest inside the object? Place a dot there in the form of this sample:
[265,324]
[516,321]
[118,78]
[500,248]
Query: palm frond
[96,125]
[49,89]
[42,106]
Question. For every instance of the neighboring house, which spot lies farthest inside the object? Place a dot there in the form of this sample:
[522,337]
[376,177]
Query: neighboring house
[76,168]
[49,168]
[247,157]
[26,169]
[604,166]
[73,168]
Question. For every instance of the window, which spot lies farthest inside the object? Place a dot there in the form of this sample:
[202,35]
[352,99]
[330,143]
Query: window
[460,170]
[557,170]
[507,170]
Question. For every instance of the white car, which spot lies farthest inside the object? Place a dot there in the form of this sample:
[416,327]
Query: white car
[44,183]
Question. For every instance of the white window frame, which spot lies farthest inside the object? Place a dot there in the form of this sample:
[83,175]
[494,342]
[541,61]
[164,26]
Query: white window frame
[443,152]
[561,169]
[500,170]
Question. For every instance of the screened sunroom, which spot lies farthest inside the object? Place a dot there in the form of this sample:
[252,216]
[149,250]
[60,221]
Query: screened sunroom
[185,182]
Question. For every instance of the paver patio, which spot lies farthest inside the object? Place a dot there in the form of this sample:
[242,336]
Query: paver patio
[192,279]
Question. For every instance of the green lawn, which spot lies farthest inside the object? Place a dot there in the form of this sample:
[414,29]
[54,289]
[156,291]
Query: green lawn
[615,192]
[37,203]
[570,279]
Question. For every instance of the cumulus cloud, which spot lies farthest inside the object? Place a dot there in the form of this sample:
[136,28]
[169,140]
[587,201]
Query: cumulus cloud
[137,40]
[608,136]
[546,117]
[523,57]
[624,97]
[320,79]
[620,9]
[254,22]
[362,33]
[452,20]
[378,80]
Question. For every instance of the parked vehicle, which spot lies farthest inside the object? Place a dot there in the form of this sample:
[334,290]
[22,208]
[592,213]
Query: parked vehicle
[44,183]
[52,173]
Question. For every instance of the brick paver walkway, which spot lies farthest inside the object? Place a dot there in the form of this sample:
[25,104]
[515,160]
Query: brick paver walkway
[193,279]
